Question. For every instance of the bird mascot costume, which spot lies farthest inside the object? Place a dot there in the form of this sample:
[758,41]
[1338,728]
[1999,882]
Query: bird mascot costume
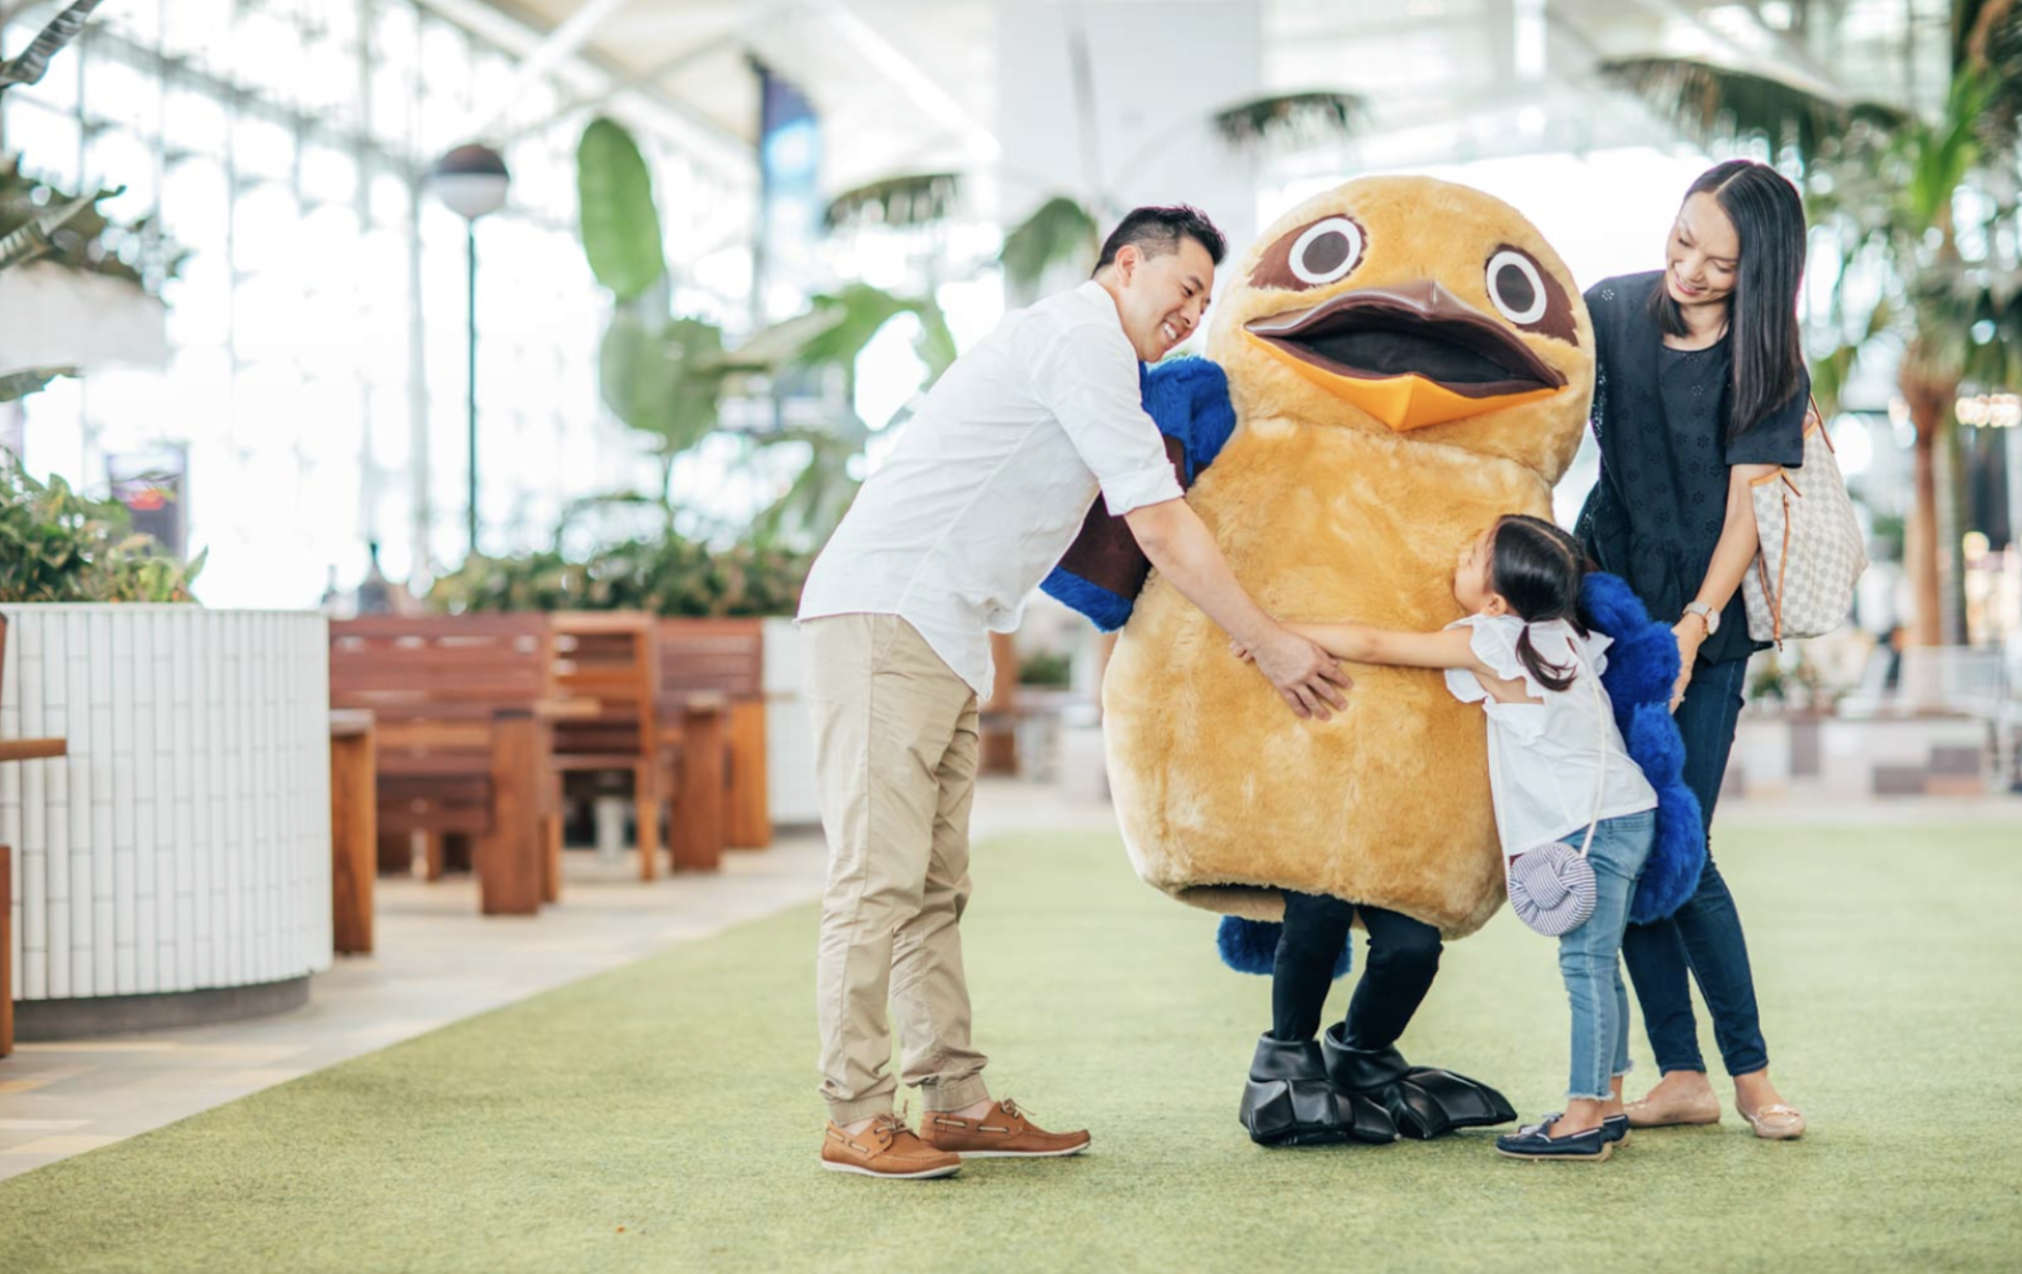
[1406,360]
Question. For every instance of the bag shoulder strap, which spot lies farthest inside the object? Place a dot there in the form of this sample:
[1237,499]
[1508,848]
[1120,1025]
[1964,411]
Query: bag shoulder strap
[1593,680]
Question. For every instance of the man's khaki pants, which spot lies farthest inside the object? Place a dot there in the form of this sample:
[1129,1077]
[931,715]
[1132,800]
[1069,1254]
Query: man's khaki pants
[895,753]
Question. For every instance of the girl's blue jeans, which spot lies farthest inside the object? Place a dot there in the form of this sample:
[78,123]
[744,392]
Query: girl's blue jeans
[1590,956]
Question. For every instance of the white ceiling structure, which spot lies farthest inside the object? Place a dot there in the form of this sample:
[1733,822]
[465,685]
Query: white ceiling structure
[908,86]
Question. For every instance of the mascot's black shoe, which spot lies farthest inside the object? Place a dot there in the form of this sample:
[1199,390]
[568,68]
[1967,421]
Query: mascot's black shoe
[1289,1101]
[1422,1101]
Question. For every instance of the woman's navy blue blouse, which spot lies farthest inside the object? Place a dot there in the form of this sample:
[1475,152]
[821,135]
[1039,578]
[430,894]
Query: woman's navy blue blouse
[1660,415]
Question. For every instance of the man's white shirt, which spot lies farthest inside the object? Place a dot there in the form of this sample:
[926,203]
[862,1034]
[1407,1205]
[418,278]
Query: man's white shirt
[993,477]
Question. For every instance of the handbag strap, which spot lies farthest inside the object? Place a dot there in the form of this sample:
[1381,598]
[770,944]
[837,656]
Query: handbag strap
[1600,734]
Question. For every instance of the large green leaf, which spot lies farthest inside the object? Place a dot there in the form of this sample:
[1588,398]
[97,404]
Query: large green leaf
[664,381]
[863,310]
[838,326]
[1060,232]
[620,224]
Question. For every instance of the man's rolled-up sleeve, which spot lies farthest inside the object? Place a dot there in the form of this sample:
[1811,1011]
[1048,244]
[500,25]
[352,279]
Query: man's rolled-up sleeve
[1090,384]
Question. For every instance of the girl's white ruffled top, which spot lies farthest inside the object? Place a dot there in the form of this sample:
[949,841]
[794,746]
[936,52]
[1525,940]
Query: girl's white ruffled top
[1545,758]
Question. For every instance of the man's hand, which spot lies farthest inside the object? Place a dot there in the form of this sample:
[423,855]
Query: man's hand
[1308,678]
[1184,552]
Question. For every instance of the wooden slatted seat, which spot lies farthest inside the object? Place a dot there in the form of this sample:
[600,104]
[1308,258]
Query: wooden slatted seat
[709,662]
[608,659]
[462,705]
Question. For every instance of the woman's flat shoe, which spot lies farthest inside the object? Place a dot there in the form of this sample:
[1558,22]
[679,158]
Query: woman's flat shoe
[1591,1146]
[1775,1122]
[1652,1113]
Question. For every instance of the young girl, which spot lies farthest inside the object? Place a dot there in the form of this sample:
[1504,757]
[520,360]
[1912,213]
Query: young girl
[1552,750]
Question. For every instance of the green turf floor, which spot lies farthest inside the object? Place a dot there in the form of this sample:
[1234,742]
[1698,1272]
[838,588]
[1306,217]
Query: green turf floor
[663,1117]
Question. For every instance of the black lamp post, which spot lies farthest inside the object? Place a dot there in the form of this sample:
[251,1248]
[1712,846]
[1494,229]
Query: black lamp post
[472,181]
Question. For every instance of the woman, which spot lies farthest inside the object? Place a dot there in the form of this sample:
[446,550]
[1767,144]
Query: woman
[1700,389]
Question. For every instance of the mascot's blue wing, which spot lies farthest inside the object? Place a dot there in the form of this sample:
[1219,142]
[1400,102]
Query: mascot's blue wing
[1103,569]
[1642,667]
[1188,399]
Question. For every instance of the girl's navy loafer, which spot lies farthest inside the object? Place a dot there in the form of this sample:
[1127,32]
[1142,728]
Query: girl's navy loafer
[1590,1146]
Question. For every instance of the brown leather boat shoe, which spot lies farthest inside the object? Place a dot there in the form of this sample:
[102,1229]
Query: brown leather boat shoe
[886,1149]
[1002,1132]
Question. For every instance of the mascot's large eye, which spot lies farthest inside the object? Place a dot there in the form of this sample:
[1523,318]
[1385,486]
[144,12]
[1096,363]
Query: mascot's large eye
[1516,286]
[1526,294]
[1312,256]
[1326,252]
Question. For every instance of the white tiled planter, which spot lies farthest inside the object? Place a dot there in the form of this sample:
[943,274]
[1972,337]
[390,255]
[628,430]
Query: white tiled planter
[184,842]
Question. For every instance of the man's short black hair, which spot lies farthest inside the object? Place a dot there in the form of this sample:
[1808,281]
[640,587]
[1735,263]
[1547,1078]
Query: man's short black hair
[1157,231]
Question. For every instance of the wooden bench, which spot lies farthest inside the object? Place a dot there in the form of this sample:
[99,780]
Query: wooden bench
[998,720]
[607,658]
[463,706]
[13,750]
[706,662]
[354,830]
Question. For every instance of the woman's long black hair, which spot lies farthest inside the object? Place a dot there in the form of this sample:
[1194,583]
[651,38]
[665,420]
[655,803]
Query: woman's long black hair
[1537,568]
[1768,217]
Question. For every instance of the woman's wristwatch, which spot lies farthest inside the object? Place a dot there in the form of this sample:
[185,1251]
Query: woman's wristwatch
[1707,615]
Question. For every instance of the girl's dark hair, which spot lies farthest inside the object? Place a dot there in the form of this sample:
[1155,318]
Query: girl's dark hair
[1537,568]
[1768,218]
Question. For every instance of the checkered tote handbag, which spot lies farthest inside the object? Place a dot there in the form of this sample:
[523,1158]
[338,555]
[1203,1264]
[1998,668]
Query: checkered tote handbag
[1811,550]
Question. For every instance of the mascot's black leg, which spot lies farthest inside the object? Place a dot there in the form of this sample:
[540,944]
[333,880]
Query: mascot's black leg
[1360,1053]
[1288,1101]
[1302,971]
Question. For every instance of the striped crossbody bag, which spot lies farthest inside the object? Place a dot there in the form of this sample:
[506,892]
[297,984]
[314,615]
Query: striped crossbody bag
[1551,888]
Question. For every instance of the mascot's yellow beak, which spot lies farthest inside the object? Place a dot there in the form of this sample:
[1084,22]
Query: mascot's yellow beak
[1411,354]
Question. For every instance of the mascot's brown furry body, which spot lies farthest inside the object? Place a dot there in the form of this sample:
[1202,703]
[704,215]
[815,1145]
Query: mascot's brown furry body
[1408,359]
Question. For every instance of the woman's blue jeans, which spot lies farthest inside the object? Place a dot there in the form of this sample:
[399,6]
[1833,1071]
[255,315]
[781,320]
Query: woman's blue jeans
[1590,956]
[1704,936]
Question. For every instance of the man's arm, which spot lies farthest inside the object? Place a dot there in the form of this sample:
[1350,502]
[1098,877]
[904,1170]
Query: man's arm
[1181,547]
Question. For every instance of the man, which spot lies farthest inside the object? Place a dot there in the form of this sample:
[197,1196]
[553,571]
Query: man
[983,493]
